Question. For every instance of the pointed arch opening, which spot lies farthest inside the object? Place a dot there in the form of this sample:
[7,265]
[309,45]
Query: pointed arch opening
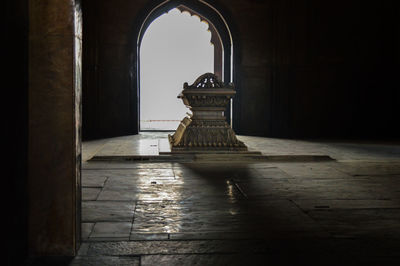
[220,39]
[177,47]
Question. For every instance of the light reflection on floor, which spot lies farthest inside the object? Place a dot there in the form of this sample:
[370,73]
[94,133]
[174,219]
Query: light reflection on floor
[354,198]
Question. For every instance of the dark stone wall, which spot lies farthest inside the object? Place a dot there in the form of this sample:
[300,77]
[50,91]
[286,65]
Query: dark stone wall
[15,110]
[304,68]
[107,80]
[54,124]
[318,69]
[41,105]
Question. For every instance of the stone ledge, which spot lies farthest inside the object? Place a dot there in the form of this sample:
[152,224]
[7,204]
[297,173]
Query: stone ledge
[215,157]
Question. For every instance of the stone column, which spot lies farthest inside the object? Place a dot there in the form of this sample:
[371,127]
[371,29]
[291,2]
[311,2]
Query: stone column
[54,126]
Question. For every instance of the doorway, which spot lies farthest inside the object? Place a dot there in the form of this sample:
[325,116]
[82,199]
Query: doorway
[177,47]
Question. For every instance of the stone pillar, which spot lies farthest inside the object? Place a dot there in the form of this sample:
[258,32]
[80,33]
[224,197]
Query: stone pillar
[54,126]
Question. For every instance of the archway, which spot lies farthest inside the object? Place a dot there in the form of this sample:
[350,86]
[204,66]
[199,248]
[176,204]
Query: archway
[206,12]
[177,47]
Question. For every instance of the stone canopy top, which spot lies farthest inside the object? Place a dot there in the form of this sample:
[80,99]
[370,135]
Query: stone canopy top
[205,89]
[207,92]
[208,81]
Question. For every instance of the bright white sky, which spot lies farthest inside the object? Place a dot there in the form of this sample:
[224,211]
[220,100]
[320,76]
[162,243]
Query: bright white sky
[175,49]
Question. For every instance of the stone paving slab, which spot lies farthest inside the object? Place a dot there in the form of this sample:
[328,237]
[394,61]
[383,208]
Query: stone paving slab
[119,195]
[86,230]
[188,260]
[350,223]
[109,165]
[352,188]
[257,234]
[90,193]
[218,171]
[312,171]
[339,250]
[132,182]
[107,211]
[265,259]
[368,168]
[321,204]
[149,236]
[130,145]
[128,172]
[132,248]
[111,230]
[264,217]
[271,172]
[91,147]
[93,179]
[322,188]
[105,261]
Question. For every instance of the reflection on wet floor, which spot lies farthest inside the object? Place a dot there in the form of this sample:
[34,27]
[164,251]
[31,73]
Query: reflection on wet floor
[196,201]
[238,213]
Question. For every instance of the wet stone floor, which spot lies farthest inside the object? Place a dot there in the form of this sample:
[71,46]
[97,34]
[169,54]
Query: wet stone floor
[330,213]
[344,211]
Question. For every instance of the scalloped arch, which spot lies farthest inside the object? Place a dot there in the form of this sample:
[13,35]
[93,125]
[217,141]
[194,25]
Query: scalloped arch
[206,12]
[210,13]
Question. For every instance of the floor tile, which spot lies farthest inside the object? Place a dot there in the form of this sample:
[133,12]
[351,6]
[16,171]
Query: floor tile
[107,211]
[111,229]
[86,230]
[105,261]
[90,193]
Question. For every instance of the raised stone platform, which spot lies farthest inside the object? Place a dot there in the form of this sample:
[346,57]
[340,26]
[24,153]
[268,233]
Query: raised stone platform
[158,150]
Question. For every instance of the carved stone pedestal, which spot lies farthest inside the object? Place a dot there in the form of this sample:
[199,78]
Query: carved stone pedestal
[206,130]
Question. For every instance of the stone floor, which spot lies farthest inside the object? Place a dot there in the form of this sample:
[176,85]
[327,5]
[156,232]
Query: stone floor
[340,212]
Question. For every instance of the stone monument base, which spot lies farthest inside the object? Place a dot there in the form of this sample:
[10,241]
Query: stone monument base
[205,136]
[206,130]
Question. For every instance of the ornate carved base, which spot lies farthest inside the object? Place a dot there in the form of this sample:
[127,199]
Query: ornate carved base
[205,135]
